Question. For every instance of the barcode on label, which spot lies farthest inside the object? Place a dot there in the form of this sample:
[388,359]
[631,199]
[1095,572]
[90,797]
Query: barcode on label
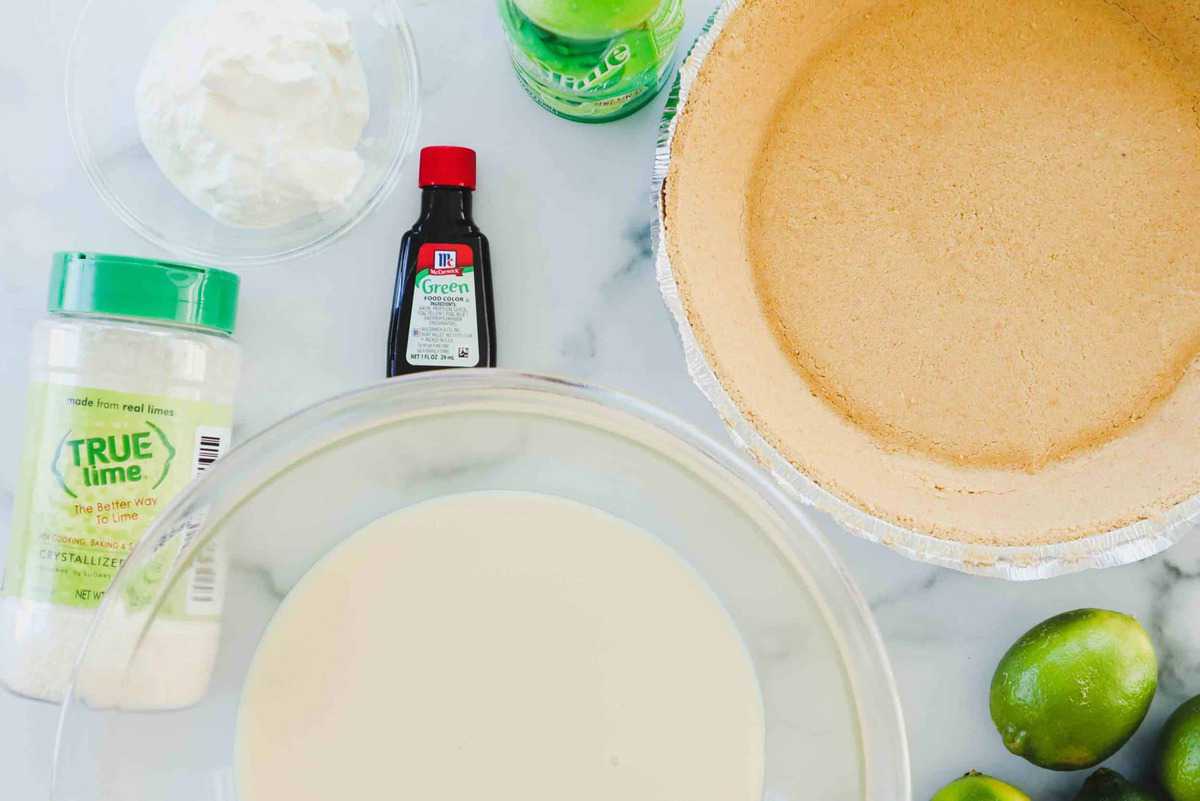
[210,446]
[204,589]
[204,582]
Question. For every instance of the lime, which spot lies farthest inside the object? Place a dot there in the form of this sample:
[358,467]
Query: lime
[1073,689]
[977,787]
[1179,753]
[1108,785]
[588,19]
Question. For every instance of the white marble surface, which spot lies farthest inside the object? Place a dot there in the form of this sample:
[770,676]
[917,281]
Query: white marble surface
[568,212]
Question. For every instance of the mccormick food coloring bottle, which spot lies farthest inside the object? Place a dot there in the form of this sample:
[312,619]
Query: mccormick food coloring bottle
[442,311]
[592,60]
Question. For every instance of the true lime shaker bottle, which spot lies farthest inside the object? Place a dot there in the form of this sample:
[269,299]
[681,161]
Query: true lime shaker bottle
[131,397]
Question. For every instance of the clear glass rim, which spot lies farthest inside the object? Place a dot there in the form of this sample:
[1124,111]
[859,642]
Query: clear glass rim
[864,659]
[1120,546]
[76,126]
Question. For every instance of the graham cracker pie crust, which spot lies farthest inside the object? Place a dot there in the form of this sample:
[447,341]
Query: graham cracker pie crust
[945,254]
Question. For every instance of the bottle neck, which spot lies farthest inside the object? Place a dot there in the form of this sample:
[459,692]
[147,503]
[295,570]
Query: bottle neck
[446,203]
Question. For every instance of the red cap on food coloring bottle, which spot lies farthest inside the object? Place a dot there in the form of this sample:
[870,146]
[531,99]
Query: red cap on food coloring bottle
[443,165]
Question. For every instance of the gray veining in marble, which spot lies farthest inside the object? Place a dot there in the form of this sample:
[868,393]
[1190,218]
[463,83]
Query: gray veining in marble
[568,211]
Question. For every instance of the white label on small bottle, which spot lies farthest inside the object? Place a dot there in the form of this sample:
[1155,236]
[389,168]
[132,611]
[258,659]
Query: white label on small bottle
[443,331]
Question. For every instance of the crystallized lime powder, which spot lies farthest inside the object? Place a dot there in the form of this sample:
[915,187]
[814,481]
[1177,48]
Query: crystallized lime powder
[131,397]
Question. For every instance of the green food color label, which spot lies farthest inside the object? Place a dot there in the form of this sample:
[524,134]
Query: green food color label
[97,468]
[444,331]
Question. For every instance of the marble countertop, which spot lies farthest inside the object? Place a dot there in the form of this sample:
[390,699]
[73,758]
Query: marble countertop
[567,208]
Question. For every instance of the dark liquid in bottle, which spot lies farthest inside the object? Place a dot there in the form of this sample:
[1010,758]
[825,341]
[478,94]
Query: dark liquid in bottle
[442,310]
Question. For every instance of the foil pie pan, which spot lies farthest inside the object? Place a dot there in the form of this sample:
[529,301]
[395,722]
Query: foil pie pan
[1119,546]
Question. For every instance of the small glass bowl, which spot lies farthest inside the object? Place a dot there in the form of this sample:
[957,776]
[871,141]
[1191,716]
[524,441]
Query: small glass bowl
[112,41]
[278,503]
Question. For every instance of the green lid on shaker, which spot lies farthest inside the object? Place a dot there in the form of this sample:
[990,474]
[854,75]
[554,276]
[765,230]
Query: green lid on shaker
[145,289]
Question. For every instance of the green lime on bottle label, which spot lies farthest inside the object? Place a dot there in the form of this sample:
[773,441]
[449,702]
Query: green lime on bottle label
[592,60]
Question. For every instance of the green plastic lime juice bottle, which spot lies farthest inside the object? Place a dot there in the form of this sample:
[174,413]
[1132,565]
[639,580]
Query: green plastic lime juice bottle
[592,60]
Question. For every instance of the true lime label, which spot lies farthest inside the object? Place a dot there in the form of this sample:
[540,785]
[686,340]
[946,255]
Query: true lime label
[444,331]
[98,466]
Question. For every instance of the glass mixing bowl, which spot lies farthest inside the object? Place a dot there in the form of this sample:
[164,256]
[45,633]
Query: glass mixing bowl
[110,46]
[282,500]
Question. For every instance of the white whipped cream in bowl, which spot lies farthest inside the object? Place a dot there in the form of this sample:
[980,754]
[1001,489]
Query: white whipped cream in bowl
[243,132]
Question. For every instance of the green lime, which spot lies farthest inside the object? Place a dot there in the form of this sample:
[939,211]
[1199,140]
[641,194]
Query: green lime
[1108,785]
[588,19]
[1074,689]
[1179,753]
[977,787]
